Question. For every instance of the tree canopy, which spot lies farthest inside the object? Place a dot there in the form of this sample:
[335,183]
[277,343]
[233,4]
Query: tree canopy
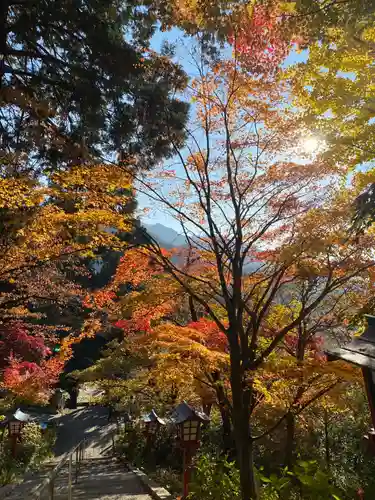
[270,180]
[79,79]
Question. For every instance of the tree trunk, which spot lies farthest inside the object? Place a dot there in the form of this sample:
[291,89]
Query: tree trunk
[4,7]
[290,436]
[241,427]
[244,447]
[326,439]
[193,311]
[227,430]
[225,419]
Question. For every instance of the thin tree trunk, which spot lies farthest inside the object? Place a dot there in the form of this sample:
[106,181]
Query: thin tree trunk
[290,436]
[290,417]
[228,443]
[227,429]
[4,7]
[326,439]
[207,407]
[193,311]
[224,408]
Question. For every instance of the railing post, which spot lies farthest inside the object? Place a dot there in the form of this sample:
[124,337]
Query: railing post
[77,463]
[52,489]
[70,478]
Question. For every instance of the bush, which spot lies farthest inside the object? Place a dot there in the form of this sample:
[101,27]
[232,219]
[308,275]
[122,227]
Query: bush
[218,479]
[169,479]
[130,445]
[35,448]
[215,479]
[306,481]
[10,468]
[161,452]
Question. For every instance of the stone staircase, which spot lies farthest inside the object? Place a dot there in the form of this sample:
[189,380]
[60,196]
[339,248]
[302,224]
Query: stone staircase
[99,475]
[99,478]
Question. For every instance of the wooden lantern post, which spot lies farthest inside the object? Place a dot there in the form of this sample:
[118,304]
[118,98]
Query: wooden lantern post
[15,425]
[127,422]
[152,423]
[360,351]
[189,423]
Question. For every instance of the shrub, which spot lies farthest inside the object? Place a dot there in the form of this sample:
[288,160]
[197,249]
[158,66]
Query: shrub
[35,448]
[215,479]
[36,445]
[306,481]
[169,479]
[10,468]
[161,452]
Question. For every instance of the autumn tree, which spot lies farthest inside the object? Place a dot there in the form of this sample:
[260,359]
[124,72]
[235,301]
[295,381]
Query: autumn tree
[317,22]
[167,345]
[167,355]
[263,223]
[39,232]
[296,376]
[333,86]
[333,90]
[79,79]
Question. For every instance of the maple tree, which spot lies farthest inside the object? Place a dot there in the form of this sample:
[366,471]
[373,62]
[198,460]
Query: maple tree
[269,260]
[259,38]
[257,30]
[333,89]
[297,376]
[242,201]
[29,371]
[32,382]
[333,86]
[169,357]
[45,225]
[314,22]
[17,342]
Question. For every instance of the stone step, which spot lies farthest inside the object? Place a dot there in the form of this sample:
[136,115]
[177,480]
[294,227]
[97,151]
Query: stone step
[99,478]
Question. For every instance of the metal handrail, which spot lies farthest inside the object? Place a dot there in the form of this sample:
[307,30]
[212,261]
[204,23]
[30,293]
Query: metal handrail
[49,482]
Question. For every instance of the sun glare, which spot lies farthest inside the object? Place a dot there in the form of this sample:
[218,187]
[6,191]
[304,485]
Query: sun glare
[310,145]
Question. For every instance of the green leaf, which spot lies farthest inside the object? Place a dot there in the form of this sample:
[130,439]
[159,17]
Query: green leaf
[287,7]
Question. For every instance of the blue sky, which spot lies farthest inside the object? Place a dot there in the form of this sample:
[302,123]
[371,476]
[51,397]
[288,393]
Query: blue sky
[182,56]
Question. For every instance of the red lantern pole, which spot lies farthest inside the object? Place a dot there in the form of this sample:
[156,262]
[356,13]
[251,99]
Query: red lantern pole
[188,433]
[189,452]
[187,463]
[14,445]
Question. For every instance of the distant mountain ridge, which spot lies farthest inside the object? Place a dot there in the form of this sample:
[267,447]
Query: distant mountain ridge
[165,236]
[169,238]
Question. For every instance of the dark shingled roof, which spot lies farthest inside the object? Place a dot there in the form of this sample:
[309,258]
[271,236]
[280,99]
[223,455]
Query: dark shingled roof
[360,350]
[184,412]
[153,417]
